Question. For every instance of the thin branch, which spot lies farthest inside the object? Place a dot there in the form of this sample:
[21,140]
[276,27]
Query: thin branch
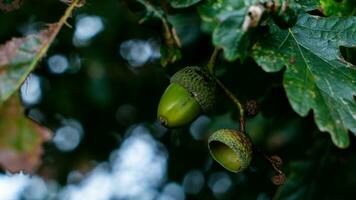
[212,60]
[170,35]
[44,48]
[236,102]
[228,93]
[276,162]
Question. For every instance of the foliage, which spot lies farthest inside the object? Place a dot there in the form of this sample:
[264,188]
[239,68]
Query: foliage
[18,58]
[309,87]
[183,4]
[22,143]
[338,8]
[21,140]
[21,55]
[315,70]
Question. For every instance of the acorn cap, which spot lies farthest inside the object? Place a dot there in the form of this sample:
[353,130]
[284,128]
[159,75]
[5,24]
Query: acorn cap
[199,83]
[231,149]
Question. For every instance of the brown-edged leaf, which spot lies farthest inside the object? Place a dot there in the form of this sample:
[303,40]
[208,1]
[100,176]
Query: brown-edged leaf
[19,56]
[21,139]
[8,6]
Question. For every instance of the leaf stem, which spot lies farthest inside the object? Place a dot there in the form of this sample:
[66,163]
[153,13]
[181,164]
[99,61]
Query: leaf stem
[236,102]
[53,31]
[59,24]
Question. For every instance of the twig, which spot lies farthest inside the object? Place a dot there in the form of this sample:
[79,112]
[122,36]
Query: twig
[170,35]
[228,93]
[276,162]
[211,63]
[56,28]
[236,102]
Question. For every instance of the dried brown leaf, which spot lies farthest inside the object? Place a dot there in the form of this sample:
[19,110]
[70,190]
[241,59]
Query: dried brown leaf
[20,138]
[10,6]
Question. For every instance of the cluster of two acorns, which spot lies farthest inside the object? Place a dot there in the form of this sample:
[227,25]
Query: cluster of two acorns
[194,90]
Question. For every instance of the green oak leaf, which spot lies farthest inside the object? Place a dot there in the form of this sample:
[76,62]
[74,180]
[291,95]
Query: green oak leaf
[338,8]
[309,5]
[215,12]
[183,3]
[231,38]
[224,19]
[317,77]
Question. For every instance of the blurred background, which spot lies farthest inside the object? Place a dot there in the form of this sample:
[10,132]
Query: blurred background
[98,89]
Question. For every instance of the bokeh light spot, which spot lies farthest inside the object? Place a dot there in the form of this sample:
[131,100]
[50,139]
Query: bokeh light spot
[86,28]
[219,182]
[193,182]
[58,64]
[31,93]
[139,52]
[68,137]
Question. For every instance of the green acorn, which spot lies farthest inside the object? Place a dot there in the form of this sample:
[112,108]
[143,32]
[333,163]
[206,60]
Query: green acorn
[231,149]
[192,90]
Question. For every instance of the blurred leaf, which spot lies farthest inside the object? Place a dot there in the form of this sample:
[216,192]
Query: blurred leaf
[223,121]
[151,11]
[309,5]
[10,5]
[169,55]
[170,52]
[183,3]
[187,27]
[213,12]
[231,38]
[298,182]
[19,56]
[20,138]
[338,8]
[225,19]
[316,76]
[256,129]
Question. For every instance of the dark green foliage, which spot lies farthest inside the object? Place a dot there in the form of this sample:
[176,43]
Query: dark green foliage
[306,98]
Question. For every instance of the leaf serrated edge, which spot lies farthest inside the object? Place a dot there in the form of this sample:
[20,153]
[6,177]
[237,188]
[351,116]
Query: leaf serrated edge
[56,28]
[339,144]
